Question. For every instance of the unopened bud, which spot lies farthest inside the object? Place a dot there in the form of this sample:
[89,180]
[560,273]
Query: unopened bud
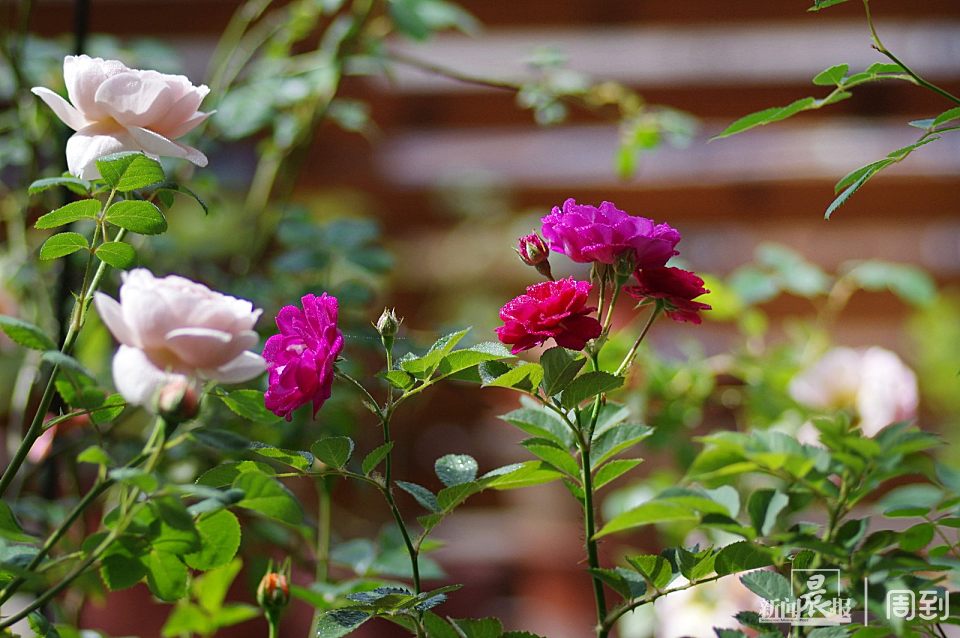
[533,251]
[273,592]
[624,265]
[178,401]
[387,326]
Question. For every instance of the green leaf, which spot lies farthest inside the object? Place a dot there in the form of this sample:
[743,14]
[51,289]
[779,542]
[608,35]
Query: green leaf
[334,451]
[912,284]
[219,540]
[137,216]
[120,570]
[556,457]
[109,410]
[833,75]
[764,507]
[118,254]
[614,470]
[399,379]
[166,575]
[83,209]
[455,469]
[768,585]
[459,360]
[96,455]
[135,476]
[372,460]
[300,460]
[647,514]
[767,116]
[78,186]
[10,526]
[541,423]
[425,497]
[616,440]
[947,116]
[628,584]
[477,628]
[183,190]
[560,366]
[26,334]
[130,171]
[588,385]
[221,439]
[62,244]
[340,622]
[249,405]
[525,376]
[269,497]
[655,569]
[823,4]
[520,475]
[742,556]
[917,537]
[65,361]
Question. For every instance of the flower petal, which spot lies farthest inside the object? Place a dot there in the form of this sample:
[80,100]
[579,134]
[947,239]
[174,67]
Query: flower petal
[136,378]
[91,143]
[159,145]
[202,347]
[245,367]
[111,313]
[61,108]
[135,98]
[83,75]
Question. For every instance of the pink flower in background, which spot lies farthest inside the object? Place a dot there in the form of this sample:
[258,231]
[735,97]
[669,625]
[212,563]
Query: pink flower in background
[551,309]
[174,329]
[113,108]
[300,359]
[874,383]
[675,287]
[586,233]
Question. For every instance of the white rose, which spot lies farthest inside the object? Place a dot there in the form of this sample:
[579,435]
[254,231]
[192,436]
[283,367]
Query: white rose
[172,329]
[115,109]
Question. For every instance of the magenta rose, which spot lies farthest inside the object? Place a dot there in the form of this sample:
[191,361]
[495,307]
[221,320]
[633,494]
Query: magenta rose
[552,309]
[675,287]
[300,359]
[586,234]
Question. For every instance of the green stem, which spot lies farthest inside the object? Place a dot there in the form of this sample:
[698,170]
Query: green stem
[878,45]
[157,442]
[636,344]
[589,524]
[388,495]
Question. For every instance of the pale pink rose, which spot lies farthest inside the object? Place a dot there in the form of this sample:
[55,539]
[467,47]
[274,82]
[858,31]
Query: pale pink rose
[873,383]
[113,108]
[172,329]
[696,611]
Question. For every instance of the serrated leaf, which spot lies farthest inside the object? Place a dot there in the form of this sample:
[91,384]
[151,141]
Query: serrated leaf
[947,116]
[110,409]
[540,423]
[616,440]
[520,475]
[298,459]
[477,628]
[767,116]
[340,622]
[587,386]
[74,211]
[459,360]
[183,190]
[268,497]
[833,75]
[118,254]
[130,171]
[62,244]
[372,460]
[73,184]
[554,456]
[399,379]
[137,216]
[768,585]
[26,334]
[649,513]
[249,405]
[559,368]
[166,575]
[455,469]
[121,570]
[525,376]
[65,361]
[741,556]
[917,537]
[425,497]
[655,569]
[614,470]
[219,540]
[334,451]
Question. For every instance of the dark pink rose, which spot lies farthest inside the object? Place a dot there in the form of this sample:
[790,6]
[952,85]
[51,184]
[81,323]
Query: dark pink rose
[675,287]
[551,309]
[300,359]
[586,234]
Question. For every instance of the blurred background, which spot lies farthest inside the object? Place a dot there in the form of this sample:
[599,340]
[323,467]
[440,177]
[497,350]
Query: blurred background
[410,187]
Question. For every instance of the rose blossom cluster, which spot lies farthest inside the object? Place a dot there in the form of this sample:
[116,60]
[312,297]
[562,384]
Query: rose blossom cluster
[616,243]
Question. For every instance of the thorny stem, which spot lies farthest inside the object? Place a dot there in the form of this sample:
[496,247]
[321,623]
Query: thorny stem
[878,45]
[626,608]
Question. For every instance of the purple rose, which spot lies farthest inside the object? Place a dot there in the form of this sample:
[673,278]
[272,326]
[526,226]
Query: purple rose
[300,359]
[586,233]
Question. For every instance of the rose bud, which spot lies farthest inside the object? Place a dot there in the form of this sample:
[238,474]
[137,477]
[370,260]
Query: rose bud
[273,592]
[178,401]
[387,327]
[533,251]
